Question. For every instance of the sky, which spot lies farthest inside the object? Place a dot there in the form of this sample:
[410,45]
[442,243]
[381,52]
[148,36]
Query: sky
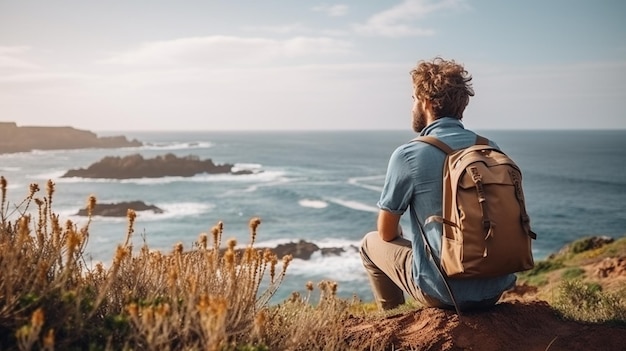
[202,65]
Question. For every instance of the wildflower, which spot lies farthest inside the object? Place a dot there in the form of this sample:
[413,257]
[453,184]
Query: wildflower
[34,187]
[286,260]
[133,310]
[333,288]
[309,286]
[91,205]
[178,248]
[254,224]
[232,243]
[3,188]
[131,215]
[216,237]
[259,323]
[120,255]
[50,189]
[48,340]
[37,318]
[3,185]
[202,241]
[229,259]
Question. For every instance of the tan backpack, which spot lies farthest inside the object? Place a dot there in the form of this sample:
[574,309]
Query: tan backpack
[486,230]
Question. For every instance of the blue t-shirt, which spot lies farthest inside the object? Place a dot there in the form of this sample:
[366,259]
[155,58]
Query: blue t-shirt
[415,180]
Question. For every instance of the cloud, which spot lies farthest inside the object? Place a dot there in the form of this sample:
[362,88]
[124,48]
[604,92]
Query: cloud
[284,29]
[7,59]
[228,50]
[400,20]
[337,10]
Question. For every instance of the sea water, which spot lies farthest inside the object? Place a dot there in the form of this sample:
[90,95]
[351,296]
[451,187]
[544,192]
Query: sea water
[321,187]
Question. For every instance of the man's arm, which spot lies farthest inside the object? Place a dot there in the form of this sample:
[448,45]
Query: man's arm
[388,225]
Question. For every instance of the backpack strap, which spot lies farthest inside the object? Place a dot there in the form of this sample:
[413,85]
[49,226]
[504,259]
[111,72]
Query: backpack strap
[428,139]
[436,143]
[481,140]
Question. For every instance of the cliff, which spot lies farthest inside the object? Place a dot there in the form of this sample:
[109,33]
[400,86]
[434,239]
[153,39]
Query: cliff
[25,139]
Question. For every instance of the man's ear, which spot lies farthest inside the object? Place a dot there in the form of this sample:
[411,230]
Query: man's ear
[426,104]
[427,107]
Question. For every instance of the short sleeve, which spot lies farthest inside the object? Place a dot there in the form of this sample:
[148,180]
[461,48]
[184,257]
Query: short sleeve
[398,187]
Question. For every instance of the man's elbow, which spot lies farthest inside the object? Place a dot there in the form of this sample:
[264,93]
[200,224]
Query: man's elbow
[386,236]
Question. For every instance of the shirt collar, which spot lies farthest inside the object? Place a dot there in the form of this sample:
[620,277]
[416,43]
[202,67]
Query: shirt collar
[443,122]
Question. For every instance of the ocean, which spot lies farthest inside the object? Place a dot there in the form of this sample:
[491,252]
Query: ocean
[320,187]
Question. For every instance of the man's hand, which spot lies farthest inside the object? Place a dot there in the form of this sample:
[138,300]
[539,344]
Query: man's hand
[388,225]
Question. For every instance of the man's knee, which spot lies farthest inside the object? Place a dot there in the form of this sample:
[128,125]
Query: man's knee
[364,249]
[366,242]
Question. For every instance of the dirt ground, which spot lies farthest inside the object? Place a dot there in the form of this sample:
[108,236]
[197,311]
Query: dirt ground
[515,325]
[519,321]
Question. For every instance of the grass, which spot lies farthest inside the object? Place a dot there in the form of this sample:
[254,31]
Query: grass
[211,297]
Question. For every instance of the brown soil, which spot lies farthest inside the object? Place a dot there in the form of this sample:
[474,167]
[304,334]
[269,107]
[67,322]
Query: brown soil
[515,325]
[520,321]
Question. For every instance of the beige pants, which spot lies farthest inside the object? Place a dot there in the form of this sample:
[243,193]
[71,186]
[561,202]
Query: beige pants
[389,266]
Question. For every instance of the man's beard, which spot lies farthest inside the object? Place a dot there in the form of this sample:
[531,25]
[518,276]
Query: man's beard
[419,119]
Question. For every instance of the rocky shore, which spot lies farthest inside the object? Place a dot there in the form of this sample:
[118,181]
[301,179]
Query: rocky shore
[24,139]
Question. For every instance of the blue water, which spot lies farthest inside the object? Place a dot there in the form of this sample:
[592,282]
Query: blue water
[322,187]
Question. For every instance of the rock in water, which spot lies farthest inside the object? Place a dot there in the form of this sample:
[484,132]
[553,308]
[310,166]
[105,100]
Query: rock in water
[135,166]
[119,209]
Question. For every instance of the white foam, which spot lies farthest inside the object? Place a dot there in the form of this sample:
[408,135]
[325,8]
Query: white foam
[178,209]
[347,267]
[273,243]
[56,175]
[10,169]
[313,203]
[199,178]
[177,145]
[354,205]
[170,210]
[334,242]
[246,166]
[356,181]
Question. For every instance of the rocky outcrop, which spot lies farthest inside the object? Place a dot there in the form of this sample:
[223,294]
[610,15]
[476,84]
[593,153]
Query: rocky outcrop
[25,139]
[304,250]
[135,166]
[119,209]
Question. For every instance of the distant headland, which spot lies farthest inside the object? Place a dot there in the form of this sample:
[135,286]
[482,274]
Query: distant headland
[24,139]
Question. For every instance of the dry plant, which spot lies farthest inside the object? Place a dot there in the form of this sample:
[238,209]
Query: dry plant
[208,298]
[40,273]
[299,323]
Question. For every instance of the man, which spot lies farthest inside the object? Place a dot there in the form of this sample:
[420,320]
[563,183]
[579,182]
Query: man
[398,262]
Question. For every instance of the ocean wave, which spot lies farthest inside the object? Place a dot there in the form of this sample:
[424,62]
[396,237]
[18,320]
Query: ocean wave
[321,243]
[265,176]
[356,181]
[346,267]
[177,145]
[354,205]
[170,211]
[313,203]
[246,166]
[10,169]
[268,179]
[55,175]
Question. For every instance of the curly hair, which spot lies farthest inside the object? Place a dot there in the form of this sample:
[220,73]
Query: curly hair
[446,84]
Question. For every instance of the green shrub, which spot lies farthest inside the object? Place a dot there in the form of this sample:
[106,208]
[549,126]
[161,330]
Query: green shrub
[543,267]
[588,303]
[572,273]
